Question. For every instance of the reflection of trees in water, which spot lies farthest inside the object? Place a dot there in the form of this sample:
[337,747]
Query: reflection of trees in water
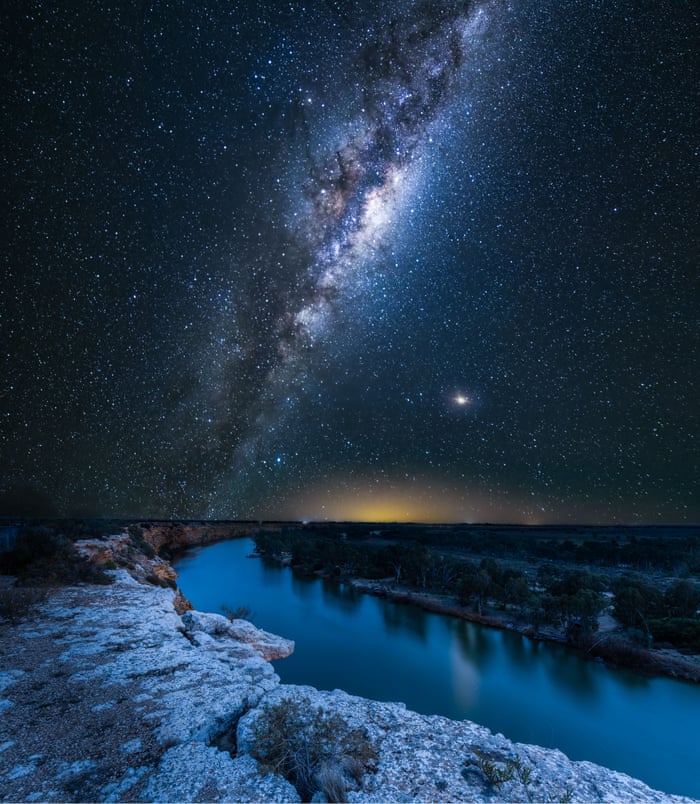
[399,617]
[567,671]
[465,678]
[341,596]
[519,650]
[303,587]
[476,644]
[270,570]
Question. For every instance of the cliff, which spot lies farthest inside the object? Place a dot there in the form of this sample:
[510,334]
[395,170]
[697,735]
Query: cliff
[108,694]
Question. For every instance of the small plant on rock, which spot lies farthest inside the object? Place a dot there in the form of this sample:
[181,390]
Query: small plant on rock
[331,782]
[498,769]
[310,747]
[239,613]
[495,774]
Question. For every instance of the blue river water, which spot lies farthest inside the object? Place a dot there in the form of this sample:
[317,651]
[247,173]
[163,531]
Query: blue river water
[531,692]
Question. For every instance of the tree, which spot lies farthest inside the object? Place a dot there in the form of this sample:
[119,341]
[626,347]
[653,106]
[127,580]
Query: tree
[682,599]
[475,585]
[636,602]
[517,590]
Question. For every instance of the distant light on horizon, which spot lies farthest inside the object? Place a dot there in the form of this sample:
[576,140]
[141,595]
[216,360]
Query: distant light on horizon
[429,500]
[419,500]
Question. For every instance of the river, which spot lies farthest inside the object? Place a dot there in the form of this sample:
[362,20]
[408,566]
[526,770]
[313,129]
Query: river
[532,692]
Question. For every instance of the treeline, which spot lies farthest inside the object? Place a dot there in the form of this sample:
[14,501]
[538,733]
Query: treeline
[641,549]
[548,594]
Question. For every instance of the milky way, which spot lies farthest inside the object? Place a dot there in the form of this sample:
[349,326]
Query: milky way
[352,198]
[426,260]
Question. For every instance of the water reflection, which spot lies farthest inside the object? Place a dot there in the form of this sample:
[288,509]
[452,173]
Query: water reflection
[303,587]
[578,677]
[399,618]
[464,676]
[341,596]
[483,642]
[270,571]
[633,680]
[517,650]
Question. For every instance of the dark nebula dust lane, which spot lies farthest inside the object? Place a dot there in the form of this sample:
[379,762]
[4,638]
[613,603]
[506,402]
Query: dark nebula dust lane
[352,197]
[414,260]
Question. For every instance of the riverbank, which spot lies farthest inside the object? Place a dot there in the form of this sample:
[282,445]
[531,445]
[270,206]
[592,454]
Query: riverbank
[607,645]
[108,693]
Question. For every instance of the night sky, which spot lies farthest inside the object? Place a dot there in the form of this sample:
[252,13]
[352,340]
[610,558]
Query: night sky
[351,260]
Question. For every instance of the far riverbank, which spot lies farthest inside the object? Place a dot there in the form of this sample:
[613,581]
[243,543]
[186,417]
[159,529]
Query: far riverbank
[609,647]
[627,596]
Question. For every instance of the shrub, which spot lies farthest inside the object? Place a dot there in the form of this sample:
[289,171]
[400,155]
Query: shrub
[331,782]
[496,774]
[681,632]
[156,580]
[309,747]
[621,651]
[239,613]
[497,769]
[17,602]
[138,540]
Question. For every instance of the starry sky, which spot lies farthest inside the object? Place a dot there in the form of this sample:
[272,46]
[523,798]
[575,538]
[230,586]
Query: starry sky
[415,260]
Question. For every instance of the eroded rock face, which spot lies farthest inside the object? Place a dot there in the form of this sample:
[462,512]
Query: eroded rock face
[180,535]
[119,550]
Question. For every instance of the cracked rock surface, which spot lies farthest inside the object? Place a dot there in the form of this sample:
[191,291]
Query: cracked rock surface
[103,680]
[107,694]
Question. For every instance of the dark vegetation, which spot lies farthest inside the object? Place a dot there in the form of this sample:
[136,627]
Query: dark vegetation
[313,749]
[42,556]
[46,556]
[538,578]
[16,602]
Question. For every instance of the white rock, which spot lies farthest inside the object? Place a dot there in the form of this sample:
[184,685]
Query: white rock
[432,758]
[196,772]
[269,646]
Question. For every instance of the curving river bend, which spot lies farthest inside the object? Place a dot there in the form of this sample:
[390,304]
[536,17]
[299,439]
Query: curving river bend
[532,692]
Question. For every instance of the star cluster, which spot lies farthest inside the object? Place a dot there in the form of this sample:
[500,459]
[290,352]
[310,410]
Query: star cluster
[414,260]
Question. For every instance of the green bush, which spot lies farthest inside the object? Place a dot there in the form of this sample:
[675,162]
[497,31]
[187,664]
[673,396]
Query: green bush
[310,747]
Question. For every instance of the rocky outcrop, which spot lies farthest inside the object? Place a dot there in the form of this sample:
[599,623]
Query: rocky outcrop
[241,633]
[107,694]
[432,758]
[178,536]
[104,680]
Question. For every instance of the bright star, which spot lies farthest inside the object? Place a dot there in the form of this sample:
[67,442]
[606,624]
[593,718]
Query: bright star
[462,400]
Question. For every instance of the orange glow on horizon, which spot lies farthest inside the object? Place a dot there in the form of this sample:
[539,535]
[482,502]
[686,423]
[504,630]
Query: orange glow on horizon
[423,499]
[419,500]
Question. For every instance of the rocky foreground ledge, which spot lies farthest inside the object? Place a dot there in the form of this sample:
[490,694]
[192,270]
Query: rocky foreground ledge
[108,694]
